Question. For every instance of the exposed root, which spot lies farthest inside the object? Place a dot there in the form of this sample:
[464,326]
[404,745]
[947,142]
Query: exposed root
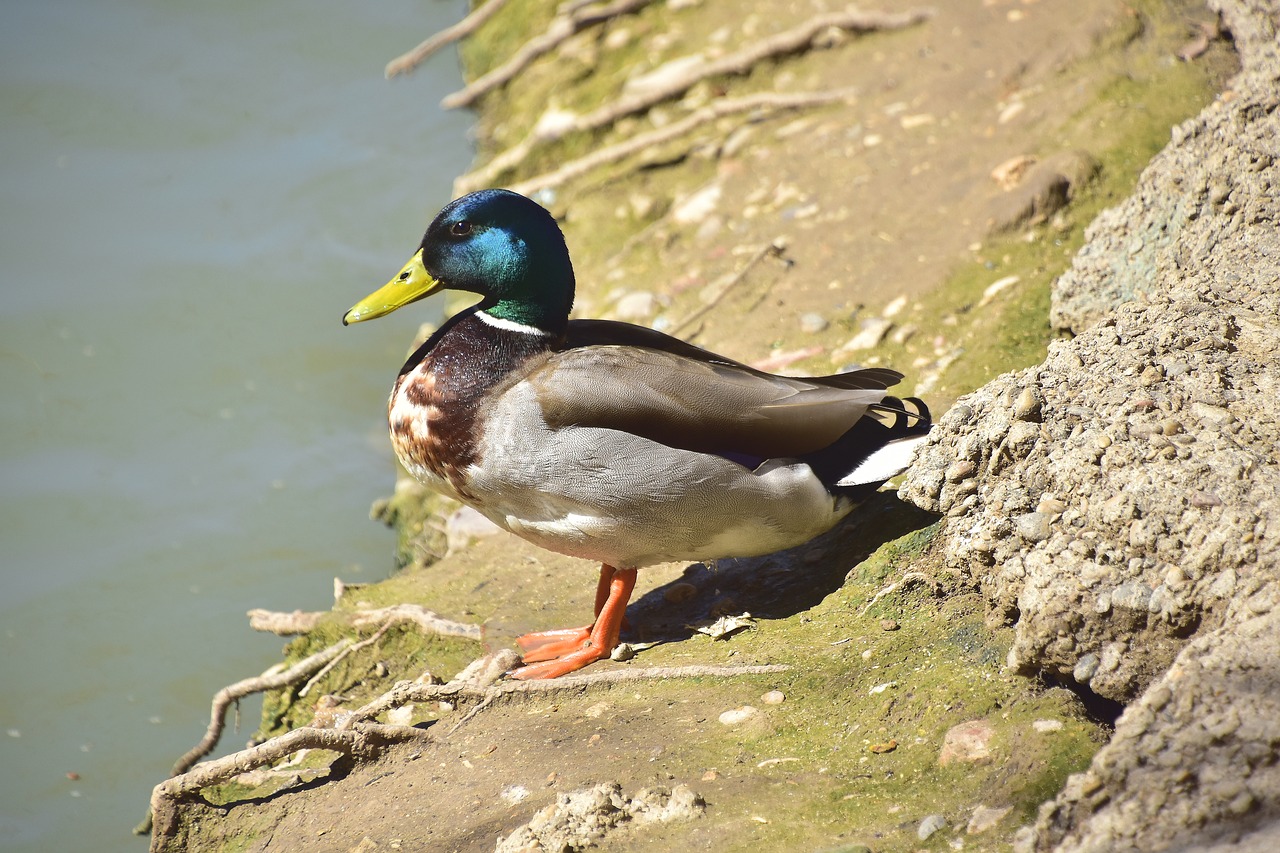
[563,27]
[328,667]
[273,679]
[737,63]
[765,103]
[406,62]
[284,624]
[363,741]
[479,684]
[300,622]
[310,669]
[356,735]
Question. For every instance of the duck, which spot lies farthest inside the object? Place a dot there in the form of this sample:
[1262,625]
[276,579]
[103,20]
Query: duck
[609,441]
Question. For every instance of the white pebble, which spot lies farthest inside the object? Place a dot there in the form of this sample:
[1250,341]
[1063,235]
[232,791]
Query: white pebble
[737,715]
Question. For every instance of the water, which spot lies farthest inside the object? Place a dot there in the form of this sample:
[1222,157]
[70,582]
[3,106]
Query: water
[192,195]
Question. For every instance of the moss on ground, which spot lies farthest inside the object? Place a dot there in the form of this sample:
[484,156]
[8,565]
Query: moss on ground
[851,756]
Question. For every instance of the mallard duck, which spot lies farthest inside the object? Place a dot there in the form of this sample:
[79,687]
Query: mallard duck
[609,441]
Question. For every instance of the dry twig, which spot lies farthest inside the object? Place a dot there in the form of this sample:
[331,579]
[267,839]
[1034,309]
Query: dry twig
[740,62]
[776,248]
[405,63]
[561,29]
[765,102]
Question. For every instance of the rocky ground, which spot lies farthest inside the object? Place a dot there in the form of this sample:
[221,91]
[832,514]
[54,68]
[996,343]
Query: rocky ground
[1119,501]
[1094,534]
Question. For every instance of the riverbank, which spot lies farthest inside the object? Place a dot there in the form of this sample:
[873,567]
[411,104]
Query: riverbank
[915,222]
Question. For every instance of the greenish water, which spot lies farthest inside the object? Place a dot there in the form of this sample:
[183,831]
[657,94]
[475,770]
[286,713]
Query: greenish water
[192,195]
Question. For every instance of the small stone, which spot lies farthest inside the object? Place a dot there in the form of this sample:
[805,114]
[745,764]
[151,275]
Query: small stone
[773,697]
[638,305]
[873,331]
[1034,526]
[930,825]
[1085,668]
[889,625]
[960,470]
[734,716]
[882,748]
[402,716]
[984,818]
[1028,405]
[1046,726]
[812,323]
[697,206]
[710,776]
[967,743]
[1051,506]
[514,794]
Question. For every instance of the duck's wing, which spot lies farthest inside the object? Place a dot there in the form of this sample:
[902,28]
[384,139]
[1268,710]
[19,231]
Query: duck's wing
[583,333]
[682,396]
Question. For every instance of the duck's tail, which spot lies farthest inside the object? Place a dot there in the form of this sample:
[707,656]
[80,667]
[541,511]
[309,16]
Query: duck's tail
[879,446]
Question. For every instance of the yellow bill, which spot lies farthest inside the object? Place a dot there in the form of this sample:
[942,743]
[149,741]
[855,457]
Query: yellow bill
[413,283]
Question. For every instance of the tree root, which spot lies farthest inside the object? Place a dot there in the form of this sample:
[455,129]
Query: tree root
[311,668]
[355,734]
[765,103]
[300,622]
[737,63]
[273,679]
[406,62]
[363,741]
[563,27]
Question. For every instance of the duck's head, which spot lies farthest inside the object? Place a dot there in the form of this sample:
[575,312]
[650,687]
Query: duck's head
[496,243]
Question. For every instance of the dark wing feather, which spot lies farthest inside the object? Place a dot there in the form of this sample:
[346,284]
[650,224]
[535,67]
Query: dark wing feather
[583,333]
[682,396]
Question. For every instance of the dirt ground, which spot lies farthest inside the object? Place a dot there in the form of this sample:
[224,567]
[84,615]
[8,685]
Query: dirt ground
[893,230]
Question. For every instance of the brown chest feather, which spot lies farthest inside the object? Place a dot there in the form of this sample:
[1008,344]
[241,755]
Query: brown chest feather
[437,408]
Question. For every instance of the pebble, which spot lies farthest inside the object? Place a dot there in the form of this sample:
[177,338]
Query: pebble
[1046,726]
[930,825]
[734,716]
[697,206]
[985,817]
[812,323]
[638,305]
[1034,526]
[773,697]
[889,625]
[513,794]
[1028,405]
[968,743]
[873,332]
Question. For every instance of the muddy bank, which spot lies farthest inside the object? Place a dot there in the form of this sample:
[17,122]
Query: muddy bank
[916,222]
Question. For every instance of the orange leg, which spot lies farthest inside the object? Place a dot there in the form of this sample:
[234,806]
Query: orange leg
[554,653]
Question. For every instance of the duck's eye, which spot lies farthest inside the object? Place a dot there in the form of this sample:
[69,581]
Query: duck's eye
[460,229]
[404,276]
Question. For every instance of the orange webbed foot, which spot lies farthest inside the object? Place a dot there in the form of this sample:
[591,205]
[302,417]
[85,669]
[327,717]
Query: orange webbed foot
[548,645]
[549,654]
